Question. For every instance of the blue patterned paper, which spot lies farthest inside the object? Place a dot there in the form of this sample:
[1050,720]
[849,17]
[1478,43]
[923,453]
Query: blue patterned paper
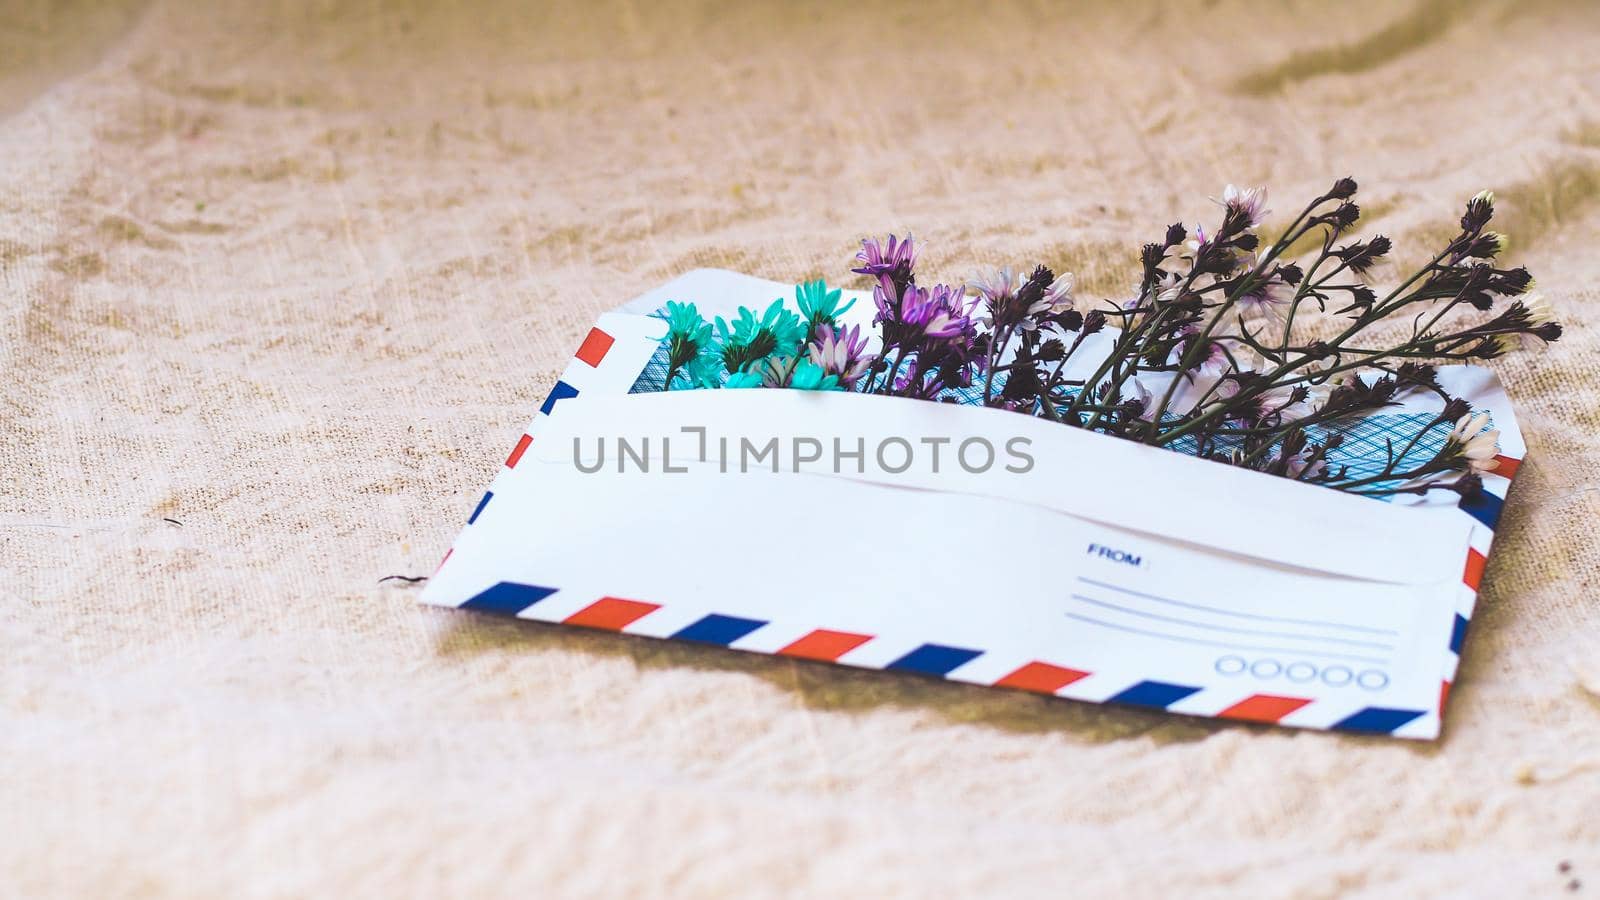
[1364,452]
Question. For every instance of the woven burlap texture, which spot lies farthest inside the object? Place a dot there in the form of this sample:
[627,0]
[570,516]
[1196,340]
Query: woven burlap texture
[294,276]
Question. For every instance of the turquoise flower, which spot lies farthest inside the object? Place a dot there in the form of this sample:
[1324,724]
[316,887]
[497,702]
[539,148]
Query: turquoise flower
[808,376]
[749,339]
[688,337]
[743,380]
[818,305]
[705,370]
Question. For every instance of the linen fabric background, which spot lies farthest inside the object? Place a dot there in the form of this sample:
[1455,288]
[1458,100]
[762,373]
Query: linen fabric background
[295,275]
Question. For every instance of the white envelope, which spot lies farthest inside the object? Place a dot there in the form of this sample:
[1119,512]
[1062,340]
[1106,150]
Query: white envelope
[969,543]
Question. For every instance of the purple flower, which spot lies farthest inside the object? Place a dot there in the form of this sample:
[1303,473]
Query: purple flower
[933,331]
[841,352]
[877,259]
[891,264]
[910,316]
[939,313]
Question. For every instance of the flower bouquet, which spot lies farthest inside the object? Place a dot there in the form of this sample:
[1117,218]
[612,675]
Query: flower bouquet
[1010,414]
[1252,355]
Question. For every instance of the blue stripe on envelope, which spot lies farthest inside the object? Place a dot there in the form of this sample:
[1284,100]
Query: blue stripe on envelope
[1154,694]
[719,630]
[508,598]
[562,391]
[1377,720]
[478,510]
[1485,508]
[1458,634]
[934,659]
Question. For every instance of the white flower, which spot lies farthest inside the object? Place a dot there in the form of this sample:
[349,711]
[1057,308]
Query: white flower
[1284,403]
[1539,309]
[1167,288]
[1267,297]
[1539,312]
[993,283]
[1147,400]
[1302,464]
[996,285]
[1248,202]
[1212,357]
[1472,445]
[1507,343]
[1058,296]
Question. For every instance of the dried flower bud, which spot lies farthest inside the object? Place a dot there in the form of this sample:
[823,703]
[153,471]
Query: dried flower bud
[1094,321]
[1480,209]
[1176,234]
[1051,351]
[1488,348]
[1151,256]
[1345,216]
[1511,281]
[1334,441]
[1024,382]
[1415,374]
[1247,241]
[1343,189]
[1212,258]
[1293,442]
[1454,410]
[1487,245]
[1469,486]
[1318,350]
[1383,390]
[1549,332]
[1041,279]
[1363,296]
[1291,274]
[1361,257]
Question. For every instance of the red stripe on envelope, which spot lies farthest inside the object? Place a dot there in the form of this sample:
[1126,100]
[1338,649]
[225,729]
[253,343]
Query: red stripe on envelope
[1041,677]
[1444,694]
[594,347]
[1473,576]
[1263,708]
[518,450]
[611,613]
[1507,467]
[825,645]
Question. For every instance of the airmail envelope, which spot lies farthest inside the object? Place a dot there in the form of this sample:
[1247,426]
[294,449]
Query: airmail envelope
[973,544]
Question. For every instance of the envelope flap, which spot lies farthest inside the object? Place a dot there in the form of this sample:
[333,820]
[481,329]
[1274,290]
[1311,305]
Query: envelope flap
[1086,475]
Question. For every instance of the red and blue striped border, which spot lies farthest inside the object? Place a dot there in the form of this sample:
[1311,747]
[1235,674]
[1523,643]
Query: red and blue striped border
[939,660]
[927,659]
